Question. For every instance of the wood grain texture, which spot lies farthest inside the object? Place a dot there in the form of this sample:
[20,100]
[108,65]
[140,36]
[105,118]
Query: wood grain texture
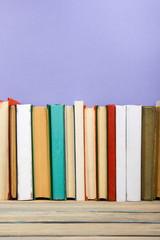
[79,220]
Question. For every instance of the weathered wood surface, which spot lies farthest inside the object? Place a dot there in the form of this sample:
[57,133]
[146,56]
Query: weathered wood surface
[79,220]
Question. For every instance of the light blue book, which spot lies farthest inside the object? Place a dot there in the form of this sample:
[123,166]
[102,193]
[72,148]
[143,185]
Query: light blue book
[57,151]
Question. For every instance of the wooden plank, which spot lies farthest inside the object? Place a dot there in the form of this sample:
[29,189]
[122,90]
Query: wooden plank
[43,216]
[144,206]
[81,238]
[64,230]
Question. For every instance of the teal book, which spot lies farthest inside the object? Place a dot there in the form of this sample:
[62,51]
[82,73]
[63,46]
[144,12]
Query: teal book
[57,151]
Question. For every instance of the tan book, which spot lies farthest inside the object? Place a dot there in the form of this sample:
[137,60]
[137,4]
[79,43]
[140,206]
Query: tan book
[4,180]
[157,153]
[147,153]
[70,152]
[13,154]
[90,157]
[102,153]
[41,154]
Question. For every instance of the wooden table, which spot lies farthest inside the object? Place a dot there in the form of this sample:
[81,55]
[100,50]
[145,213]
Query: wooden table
[79,220]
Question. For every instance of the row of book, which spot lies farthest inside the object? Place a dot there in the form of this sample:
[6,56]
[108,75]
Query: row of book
[74,152]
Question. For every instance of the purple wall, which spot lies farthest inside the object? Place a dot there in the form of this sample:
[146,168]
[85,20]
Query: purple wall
[101,51]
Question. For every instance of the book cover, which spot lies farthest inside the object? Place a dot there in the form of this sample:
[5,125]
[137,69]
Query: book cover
[24,152]
[134,115]
[41,153]
[4,156]
[79,150]
[69,152]
[58,151]
[102,153]
[111,153]
[12,149]
[148,152]
[90,161]
[121,162]
[157,156]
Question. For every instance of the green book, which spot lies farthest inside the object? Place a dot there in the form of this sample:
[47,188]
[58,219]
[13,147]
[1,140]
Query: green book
[148,152]
[57,151]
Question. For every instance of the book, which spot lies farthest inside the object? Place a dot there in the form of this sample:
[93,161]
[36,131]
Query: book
[111,153]
[102,153]
[24,152]
[70,152]
[134,115]
[41,153]
[158,103]
[57,151]
[79,150]
[121,162]
[13,154]
[148,152]
[90,170]
[12,149]
[157,156]
[4,166]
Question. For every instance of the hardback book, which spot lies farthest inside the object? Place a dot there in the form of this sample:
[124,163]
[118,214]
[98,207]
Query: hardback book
[90,170]
[134,121]
[24,152]
[121,161]
[158,103]
[12,139]
[111,152]
[4,178]
[41,153]
[148,153]
[57,151]
[79,150]
[102,153]
[69,152]
[157,156]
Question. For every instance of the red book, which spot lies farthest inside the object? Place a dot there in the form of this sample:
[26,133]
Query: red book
[10,102]
[111,153]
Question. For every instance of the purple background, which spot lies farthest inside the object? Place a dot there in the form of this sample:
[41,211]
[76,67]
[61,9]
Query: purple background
[100,51]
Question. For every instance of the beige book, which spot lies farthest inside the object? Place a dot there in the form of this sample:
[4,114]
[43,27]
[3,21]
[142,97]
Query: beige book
[157,157]
[90,153]
[41,158]
[102,152]
[13,160]
[4,191]
[69,147]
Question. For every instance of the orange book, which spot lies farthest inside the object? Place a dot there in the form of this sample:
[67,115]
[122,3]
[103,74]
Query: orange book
[90,156]
[11,102]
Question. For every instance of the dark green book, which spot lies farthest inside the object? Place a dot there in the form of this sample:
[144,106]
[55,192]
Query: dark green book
[148,153]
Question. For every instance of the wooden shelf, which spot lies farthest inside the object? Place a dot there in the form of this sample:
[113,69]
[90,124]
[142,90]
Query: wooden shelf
[79,220]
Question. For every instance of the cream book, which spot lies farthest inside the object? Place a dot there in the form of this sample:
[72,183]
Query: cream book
[102,176]
[90,153]
[79,150]
[134,119]
[24,152]
[121,162]
[70,152]
[158,103]
[4,191]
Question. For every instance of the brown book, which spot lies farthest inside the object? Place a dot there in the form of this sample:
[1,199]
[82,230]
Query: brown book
[148,153]
[41,154]
[157,156]
[13,153]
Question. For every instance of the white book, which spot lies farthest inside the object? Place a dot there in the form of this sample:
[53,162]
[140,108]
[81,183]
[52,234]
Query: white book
[4,183]
[69,152]
[79,145]
[121,162]
[24,152]
[90,154]
[158,103]
[134,119]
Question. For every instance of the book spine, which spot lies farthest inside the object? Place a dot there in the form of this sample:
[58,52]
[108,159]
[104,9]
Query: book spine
[121,164]
[134,113]
[111,153]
